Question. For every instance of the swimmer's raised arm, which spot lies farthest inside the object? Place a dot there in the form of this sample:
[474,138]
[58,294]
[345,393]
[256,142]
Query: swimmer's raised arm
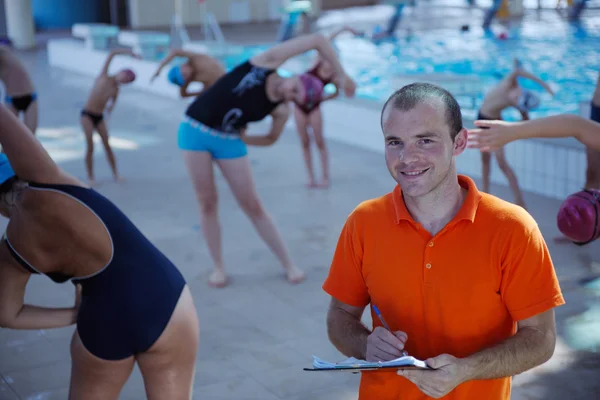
[169,57]
[112,55]
[280,116]
[492,135]
[338,32]
[28,158]
[519,71]
[280,53]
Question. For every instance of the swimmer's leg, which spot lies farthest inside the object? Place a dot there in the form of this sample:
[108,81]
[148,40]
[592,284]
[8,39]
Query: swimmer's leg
[395,19]
[88,129]
[302,127]
[491,13]
[237,173]
[316,121]
[592,175]
[486,159]
[103,132]
[592,172]
[93,378]
[168,368]
[510,175]
[200,168]
[30,117]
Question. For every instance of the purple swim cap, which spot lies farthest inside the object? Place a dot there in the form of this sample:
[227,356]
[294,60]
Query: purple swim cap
[578,216]
[313,89]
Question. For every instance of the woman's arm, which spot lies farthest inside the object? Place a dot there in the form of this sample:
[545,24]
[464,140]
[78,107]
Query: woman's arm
[27,156]
[172,54]
[280,116]
[492,135]
[280,53]
[14,314]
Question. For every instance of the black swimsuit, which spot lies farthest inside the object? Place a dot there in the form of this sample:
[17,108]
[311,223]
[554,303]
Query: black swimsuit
[237,98]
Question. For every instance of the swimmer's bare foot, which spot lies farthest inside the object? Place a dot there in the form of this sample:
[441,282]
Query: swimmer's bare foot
[324,184]
[119,179]
[91,182]
[311,184]
[217,279]
[295,275]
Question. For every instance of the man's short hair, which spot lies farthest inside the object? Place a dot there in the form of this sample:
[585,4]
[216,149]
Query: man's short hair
[409,96]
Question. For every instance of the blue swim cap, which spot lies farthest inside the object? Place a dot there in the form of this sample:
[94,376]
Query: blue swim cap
[6,171]
[528,101]
[175,76]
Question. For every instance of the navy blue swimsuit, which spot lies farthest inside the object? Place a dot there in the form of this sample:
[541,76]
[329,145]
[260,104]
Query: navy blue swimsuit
[595,112]
[126,305]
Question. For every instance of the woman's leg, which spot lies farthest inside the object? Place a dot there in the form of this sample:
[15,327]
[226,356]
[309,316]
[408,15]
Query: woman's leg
[110,155]
[237,173]
[302,127]
[200,168]
[93,378]
[316,121]
[511,176]
[168,368]
[30,117]
[88,130]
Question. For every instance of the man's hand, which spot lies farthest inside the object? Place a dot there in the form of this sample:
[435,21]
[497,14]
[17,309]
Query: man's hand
[448,373]
[383,345]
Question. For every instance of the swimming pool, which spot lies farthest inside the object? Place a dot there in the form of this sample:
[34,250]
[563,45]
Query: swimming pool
[469,63]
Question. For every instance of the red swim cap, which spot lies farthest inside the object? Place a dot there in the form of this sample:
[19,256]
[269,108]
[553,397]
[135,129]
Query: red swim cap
[578,216]
[128,75]
[313,89]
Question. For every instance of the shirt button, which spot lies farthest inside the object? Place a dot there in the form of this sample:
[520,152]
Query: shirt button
[430,244]
[428,266]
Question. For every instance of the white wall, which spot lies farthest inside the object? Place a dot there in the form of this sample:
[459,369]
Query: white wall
[158,13]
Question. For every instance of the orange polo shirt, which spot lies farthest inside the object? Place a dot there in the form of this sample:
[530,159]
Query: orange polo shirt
[458,292]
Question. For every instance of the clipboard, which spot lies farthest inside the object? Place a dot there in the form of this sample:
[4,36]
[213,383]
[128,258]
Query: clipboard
[356,368]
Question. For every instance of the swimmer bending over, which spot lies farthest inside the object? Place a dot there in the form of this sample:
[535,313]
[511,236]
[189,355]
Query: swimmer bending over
[308,114]
[132,304]
[214,129]
[21,97]
[200,68]
[101,100]
[508,93]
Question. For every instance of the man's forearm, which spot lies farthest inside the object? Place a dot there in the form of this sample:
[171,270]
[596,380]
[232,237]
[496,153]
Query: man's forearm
[33,317]
[527,349]
[348,334]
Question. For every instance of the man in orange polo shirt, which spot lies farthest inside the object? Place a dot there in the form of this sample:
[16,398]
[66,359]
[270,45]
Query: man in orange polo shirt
[463,279]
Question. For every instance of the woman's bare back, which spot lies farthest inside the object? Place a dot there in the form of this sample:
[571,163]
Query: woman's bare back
[56,233]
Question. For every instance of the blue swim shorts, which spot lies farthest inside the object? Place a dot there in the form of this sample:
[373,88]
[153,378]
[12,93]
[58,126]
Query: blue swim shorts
[195,136]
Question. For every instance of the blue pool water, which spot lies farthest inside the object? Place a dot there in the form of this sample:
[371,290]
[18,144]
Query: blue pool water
[567,56]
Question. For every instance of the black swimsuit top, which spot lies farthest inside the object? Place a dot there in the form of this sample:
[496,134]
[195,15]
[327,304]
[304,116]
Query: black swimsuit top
[237,98]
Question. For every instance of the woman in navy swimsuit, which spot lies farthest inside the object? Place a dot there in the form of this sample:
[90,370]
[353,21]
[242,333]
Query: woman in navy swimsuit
[132,304]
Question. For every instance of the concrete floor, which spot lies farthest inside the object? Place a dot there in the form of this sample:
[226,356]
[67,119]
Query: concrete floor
[257,334]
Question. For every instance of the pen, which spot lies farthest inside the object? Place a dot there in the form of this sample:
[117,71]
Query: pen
[381,318]
[404,352]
